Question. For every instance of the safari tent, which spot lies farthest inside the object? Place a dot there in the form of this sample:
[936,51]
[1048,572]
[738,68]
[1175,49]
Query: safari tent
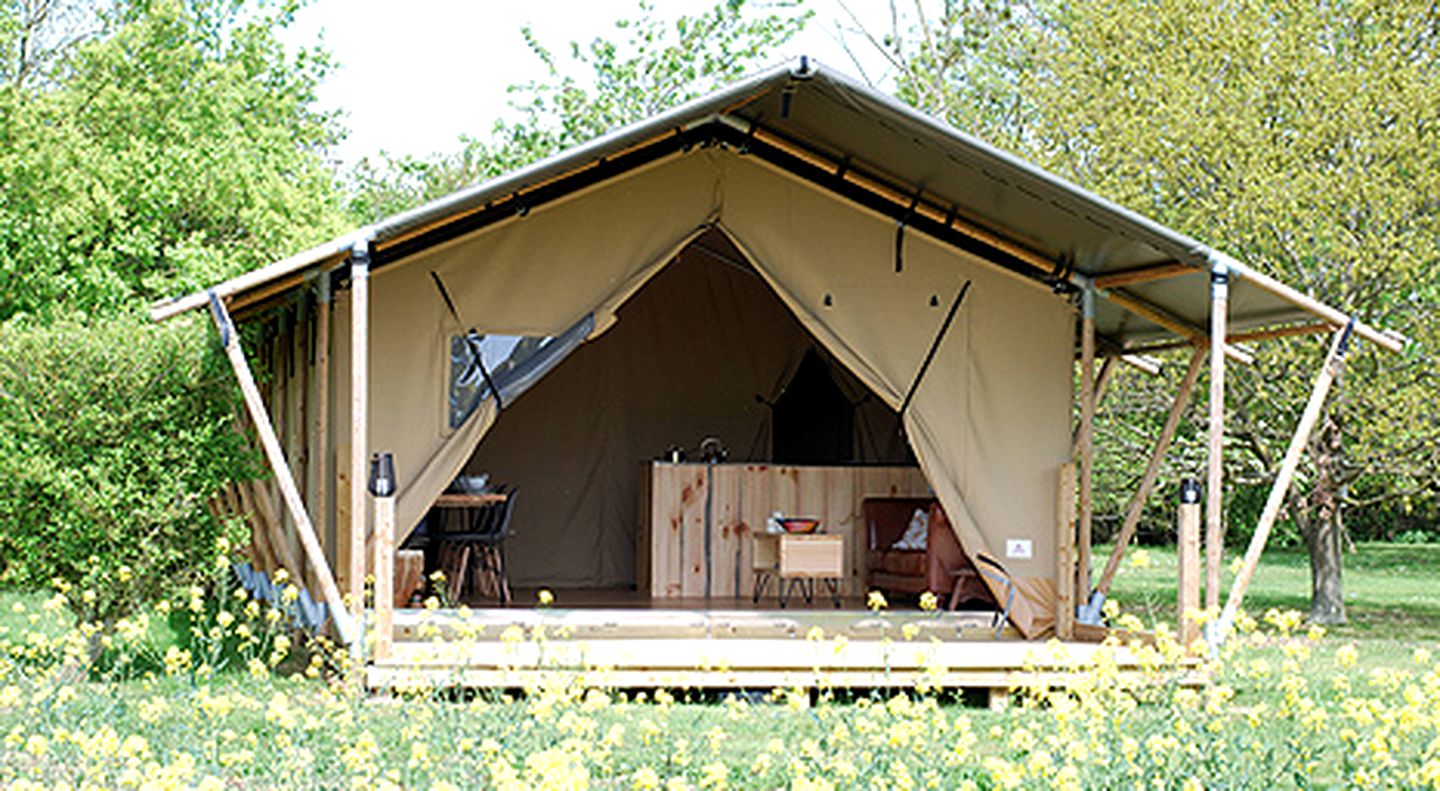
[668,282]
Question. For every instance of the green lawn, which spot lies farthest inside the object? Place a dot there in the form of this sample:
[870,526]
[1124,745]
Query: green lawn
[1392,591]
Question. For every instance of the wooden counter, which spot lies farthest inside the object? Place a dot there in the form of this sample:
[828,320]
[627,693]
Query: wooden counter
[696,519]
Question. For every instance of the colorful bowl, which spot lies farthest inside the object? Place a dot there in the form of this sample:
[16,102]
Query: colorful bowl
[799,524]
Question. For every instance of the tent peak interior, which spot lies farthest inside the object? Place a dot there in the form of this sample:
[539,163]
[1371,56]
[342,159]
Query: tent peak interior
[704,349]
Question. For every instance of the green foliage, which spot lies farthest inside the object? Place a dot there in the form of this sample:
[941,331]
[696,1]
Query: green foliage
[175,147]
[113,435]
[1299,137]
[655,64]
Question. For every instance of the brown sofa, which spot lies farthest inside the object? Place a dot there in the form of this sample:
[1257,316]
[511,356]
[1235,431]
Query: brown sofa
[915,571]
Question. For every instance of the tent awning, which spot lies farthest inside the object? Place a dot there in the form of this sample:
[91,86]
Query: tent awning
[866,145]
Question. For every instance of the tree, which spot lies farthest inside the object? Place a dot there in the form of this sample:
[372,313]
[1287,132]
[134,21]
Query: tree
[1299,137]
[657,64]
[176,146]
[147,147]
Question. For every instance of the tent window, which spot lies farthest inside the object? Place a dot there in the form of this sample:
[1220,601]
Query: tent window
[514,363]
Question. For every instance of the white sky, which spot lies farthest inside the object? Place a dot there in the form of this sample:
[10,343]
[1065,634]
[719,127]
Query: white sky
[414,76]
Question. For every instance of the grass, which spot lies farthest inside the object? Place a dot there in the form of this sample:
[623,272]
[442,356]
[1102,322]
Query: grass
[1392,591]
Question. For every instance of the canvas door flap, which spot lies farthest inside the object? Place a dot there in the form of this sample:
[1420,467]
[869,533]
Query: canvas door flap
[990,421]
[534,275]
[530,276]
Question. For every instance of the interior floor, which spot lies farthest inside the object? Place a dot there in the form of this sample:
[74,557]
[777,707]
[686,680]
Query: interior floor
[622,598]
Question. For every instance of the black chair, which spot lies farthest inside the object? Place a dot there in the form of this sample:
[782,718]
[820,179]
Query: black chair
[477,556]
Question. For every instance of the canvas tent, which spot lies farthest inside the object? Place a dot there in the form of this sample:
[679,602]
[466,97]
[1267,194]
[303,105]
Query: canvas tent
[860,218]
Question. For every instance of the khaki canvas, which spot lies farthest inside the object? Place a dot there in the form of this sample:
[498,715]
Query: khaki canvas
[990,423]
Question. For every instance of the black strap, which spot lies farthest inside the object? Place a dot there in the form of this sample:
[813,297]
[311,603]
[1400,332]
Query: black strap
[934,347]
[900,233]
[476,358]
[1004,579]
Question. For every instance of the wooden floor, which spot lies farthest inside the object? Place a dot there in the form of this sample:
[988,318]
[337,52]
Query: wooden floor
[716,647]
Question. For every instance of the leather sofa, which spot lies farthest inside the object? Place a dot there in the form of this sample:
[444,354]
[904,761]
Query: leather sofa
[937,568]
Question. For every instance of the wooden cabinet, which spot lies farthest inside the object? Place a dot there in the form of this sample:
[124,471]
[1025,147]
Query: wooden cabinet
[697,521]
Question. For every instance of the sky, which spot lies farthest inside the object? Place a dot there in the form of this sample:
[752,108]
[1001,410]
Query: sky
[414,76]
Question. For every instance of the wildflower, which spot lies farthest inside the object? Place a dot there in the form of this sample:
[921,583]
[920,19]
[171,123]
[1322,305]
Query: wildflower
[875,601]
[1346,655]
[546,597]
[929,602]
[1140,559]
[714,775]
[645,779]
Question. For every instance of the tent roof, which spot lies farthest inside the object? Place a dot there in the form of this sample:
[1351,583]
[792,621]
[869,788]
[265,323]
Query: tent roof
[930,177]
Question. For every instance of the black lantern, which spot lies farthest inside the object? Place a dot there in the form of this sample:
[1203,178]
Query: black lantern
[382,475]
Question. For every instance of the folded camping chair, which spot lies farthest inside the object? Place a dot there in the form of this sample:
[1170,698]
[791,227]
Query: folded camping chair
[478,556]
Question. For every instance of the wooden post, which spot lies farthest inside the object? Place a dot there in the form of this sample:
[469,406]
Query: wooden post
[320,457]
[1065,553]
[1215,478]
[359,418]
[1334,360]
[1087,444]
[276,456]
[1152,471]
[1188,552]
[382,486]
[1102,382]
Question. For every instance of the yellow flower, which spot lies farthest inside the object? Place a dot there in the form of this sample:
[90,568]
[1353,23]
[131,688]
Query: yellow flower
[928,601]
[1140,559]
[645,779]
[546,597]
[875,601]
[1346,655]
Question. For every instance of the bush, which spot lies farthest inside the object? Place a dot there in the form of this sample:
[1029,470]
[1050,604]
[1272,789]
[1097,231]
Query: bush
[113,435]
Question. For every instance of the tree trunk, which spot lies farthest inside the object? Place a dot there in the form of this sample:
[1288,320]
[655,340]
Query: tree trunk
[1324,534]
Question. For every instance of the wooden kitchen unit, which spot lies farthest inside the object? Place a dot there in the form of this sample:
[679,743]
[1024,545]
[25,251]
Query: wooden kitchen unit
[697,520]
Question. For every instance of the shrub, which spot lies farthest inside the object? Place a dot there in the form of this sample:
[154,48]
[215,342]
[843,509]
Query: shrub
[113,434]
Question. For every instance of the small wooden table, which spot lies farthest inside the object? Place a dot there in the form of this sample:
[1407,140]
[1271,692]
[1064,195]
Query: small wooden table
[799,559]
[457,500]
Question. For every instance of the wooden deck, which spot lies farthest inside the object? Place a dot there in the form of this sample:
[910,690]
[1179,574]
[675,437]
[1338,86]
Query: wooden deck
[755,649]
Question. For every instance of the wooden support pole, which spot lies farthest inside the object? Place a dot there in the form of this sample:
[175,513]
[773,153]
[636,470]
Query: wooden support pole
[1215,473]
[1157,315]
[276,456]
[1087,444]
[1334,361]
[359,418]
[1102,382]
[384,573]
[1065,553]
[1187,580]
[320,457]
[1152,470]
[1145,274]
